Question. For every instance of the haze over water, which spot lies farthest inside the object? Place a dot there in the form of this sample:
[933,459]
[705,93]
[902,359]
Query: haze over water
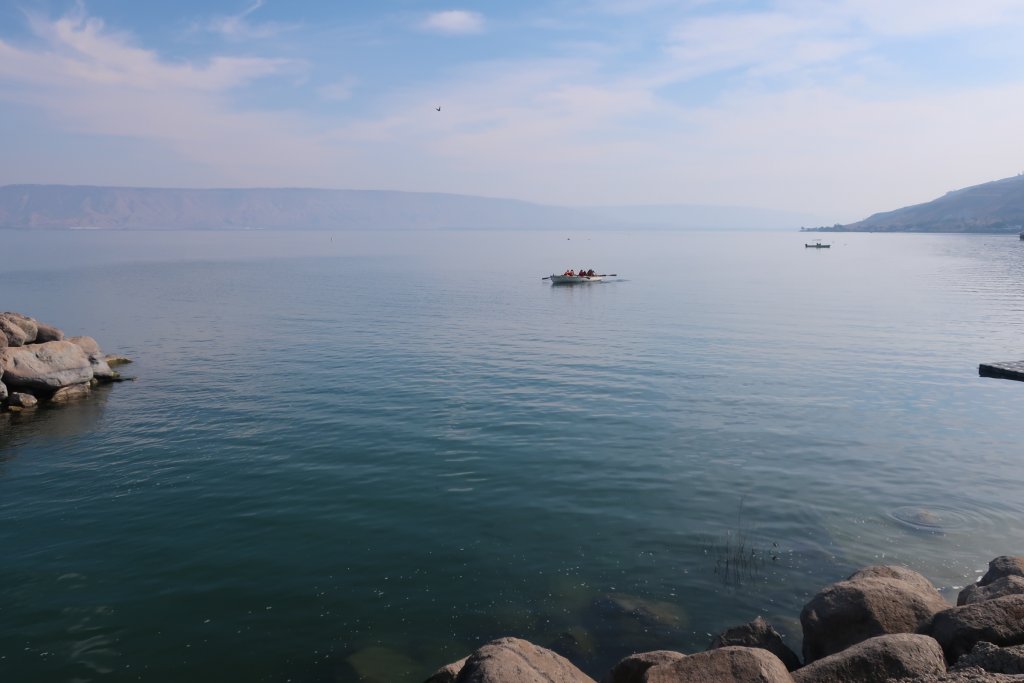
[359,454]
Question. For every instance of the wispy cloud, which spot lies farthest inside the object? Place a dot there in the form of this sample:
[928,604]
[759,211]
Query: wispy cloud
[337,91]
[454,22]
[238,27]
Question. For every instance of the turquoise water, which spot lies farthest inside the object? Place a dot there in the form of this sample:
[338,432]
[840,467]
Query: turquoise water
[358,457]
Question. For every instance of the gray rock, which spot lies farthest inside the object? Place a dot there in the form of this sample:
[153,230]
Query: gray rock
[100,368]
[447,673]
[12,332]
[724,665]
[632,668]
[1006,585]
[1002,660]
[871,602]
[877,660]
[509,660]
[20,400]
[28,325]
[972,675]
[1004,565]
[48,333]
[71,393]
[758,633]
[999,621]
[45,367]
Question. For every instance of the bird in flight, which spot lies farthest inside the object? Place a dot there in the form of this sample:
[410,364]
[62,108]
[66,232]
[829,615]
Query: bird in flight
[437,108]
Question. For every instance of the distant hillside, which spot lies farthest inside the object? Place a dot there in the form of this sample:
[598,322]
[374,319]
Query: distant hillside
[997,206]
[61,207]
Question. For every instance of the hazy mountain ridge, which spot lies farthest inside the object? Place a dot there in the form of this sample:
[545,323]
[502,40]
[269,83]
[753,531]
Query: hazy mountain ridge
[59,207]
[993,207]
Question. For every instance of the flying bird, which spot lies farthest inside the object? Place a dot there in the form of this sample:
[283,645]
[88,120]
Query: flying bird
[437,108]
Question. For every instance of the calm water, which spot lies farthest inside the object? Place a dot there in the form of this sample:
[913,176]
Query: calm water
[358,457]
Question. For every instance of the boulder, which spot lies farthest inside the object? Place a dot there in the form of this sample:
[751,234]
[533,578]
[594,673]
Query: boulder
[48,333]
[873,601]
[1006,585]
[757,633]
[3,340]
[972,675]
[45,367]
[1005,565]
[447,673]
[28,325]
[20,400]
[71,393]
[959,629]
[1002,660]
[12,331]
[724,665]
[100,368]
[508,660]
[3,392]
[878,659]
[632,668]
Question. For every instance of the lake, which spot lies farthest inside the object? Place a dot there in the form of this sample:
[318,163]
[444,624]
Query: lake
[359,456]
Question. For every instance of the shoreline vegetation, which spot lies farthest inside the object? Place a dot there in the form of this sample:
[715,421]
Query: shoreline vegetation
[39,365]
[883,623]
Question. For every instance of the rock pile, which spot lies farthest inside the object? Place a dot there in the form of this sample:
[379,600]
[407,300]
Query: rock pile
[37,363]
[883,624]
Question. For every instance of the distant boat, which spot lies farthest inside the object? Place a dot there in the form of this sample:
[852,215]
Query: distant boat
[817,245]
[573,279]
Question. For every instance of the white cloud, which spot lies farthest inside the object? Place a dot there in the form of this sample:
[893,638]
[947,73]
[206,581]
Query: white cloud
[237,27]
[454,22]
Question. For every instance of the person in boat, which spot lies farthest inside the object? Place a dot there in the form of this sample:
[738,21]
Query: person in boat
[590,273]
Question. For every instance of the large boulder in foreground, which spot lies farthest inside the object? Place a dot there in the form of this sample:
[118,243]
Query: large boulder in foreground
[509,660]
[724,665]
[757,633]
[1005,585]
[100,368]
[633,668]
[874,601]
[45,368]
[999,621]
[877,660]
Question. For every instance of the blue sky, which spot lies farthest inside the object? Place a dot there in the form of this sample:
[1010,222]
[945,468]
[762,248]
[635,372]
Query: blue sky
[840,108]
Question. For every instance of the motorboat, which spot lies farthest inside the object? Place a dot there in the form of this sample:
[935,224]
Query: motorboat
[817,245]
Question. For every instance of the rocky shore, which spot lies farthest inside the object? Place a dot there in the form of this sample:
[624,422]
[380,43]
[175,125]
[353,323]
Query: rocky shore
[882,624]
[38,364]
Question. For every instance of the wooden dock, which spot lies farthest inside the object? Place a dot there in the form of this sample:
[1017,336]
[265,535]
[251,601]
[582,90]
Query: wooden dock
[1013,369]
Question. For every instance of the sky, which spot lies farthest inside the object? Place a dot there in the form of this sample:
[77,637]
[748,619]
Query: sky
[839,108]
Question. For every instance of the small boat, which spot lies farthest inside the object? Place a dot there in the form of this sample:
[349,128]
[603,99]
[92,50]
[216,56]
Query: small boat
[573,279]
[817,245]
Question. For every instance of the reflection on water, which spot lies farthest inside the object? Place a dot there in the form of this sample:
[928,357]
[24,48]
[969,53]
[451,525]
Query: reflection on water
[53,421]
